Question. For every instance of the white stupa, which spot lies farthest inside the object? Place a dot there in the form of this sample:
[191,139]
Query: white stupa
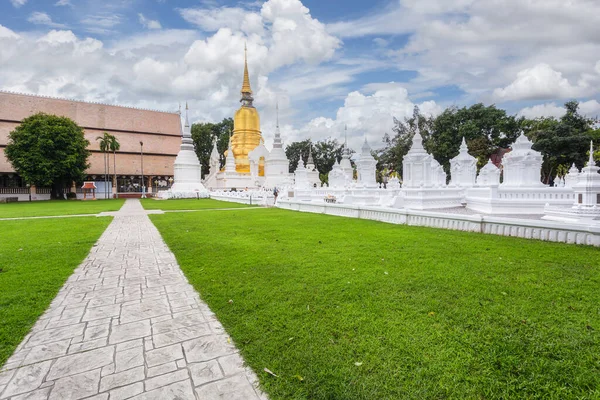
[277,165]
[345,163]
[187,170]
[463,167]
[366,167]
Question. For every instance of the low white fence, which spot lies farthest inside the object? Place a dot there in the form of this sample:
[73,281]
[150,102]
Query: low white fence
[244,198]
[528,229]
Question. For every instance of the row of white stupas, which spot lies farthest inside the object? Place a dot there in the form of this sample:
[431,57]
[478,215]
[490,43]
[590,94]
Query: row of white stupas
[575,198]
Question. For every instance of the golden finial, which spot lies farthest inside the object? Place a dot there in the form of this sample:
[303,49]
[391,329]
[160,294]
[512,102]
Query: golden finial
[246,84]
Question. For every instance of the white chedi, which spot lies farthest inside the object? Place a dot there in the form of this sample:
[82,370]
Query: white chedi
[522,165]
[463,167]
[277,165]
[214,160]
[587,188]
[366,167]
[489,175]
[187,169]
[572,177]
[417,165]
[301,176]
[337,178]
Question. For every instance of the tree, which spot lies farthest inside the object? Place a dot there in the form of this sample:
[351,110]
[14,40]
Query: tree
[396,147]
[562,142]
[203,135]
[296,151]
[325,154]
[48,150]
[485,128]
[114,145]
[104,144]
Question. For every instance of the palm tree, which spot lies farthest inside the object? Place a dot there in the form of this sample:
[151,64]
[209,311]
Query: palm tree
[114,145]
[104,142]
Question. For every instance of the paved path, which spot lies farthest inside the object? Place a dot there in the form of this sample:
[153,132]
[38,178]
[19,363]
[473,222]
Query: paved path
[128,325]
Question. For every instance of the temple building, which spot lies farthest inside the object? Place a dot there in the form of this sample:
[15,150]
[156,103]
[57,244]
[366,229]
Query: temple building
[149,140]
[249,164]
[246,127]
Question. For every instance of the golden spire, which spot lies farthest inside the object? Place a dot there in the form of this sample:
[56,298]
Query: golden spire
[246,85]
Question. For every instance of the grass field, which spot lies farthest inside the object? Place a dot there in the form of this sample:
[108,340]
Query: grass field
[36,258]
[189,204]
[351,309]
[57,207]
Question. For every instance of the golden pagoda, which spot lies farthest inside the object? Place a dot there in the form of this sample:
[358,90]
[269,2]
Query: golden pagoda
[246,126]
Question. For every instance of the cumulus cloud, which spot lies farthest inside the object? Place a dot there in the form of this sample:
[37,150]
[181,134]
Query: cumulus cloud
[159,68]
[539,83]
[590,108]
[482,45]
[148,23]
[41,18]
[365,115]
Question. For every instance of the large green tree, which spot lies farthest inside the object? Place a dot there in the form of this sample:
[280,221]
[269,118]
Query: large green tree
[203,135]
[325,154]
[562,141]
[48,150]
[485,128]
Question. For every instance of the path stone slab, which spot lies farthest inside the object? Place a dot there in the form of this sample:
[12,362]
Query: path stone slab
[127,325]
[81,362]
[26,379]
[76,387]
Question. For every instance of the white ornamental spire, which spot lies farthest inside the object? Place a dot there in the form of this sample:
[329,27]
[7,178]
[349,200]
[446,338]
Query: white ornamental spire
[277,140]
[591,162]
[186,141]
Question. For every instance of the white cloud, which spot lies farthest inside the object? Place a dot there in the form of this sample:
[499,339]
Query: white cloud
[101,23]
[542,110]
[159,68]
[539,83]
[7,33]
[18,3]
[482,45]
[149,23]
[590,108]
[365,115]
[61,3]
[41,18]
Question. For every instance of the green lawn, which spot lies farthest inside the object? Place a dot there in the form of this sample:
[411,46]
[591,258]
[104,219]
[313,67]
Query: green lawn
[343,308]
[189,204]
[57,207]
[36,258]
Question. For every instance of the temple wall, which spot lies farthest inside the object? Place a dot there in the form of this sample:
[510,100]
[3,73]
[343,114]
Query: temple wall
[573,233]
[159,131]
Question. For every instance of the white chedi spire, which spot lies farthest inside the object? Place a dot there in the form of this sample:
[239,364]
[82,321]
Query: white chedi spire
[463,167]
[229,158]
[366,166]
[187,168]
[345,164]
[587,188]
[277,144]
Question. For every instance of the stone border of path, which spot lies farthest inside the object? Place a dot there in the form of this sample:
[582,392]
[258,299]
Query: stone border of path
[115,213]
[128,325]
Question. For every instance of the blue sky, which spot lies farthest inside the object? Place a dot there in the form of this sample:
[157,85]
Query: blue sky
[327,63]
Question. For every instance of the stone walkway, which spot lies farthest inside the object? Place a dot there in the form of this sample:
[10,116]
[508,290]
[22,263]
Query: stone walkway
[128,325]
